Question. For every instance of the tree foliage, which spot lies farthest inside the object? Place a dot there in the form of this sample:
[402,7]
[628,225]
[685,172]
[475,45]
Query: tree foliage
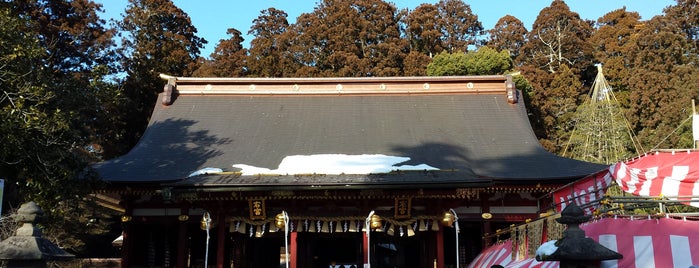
[53,55]
[228,60]
[268,51]
[611,42]
[508,34]
[348,38]
[663,66]
[484,61]
[159,38]
[459,27]
[422,29]
[558,37]
[557,52]
[68,98]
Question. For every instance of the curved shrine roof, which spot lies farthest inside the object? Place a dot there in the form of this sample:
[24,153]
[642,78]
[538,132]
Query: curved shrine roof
[287,132]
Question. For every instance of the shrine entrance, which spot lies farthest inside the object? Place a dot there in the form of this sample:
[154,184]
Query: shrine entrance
[394,251]
[316,250]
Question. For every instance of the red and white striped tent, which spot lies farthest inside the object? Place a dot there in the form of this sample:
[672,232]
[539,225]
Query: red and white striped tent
[664,242]
[672,174]
[644,242]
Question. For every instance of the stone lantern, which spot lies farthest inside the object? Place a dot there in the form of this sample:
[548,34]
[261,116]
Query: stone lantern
[27,248]
[575,250]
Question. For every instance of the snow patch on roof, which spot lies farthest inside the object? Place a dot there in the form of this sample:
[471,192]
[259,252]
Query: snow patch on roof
[207,170]
[335,164]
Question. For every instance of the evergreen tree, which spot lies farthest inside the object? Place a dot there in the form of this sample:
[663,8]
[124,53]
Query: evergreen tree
[268,51]
[415,64]
[611,42]
[558,38]
[228,60]
[686,13]
[422,29]
[159,38]
[663,62]
[508,34]
[460,28]
[484,61]
[53,57]
[348,38]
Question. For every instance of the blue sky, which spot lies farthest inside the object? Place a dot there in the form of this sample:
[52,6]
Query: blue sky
[213,17]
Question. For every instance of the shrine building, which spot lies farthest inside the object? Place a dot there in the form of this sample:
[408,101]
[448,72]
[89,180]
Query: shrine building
[309,172]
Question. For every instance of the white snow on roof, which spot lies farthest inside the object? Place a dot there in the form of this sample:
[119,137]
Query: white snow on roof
[334,164]
[207,170]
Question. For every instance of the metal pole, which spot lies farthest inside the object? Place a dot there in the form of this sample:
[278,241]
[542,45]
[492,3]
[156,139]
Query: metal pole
[367,229]
[207,222]
[456,228]
[286,237]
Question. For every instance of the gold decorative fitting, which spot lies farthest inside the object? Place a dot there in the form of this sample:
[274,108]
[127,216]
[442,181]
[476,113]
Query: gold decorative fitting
[487,216]
[206,220]
[126,218]
[448,219]
[279,221]
[375,222]
[183,217]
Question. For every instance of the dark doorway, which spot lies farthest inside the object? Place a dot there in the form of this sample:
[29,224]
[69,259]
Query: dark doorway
[264,252]
[396,251]
[324,249]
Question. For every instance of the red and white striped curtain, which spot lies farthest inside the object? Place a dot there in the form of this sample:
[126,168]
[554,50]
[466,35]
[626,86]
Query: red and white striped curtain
[674,175]
[665,242]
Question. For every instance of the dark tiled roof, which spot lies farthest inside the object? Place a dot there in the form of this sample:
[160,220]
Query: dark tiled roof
[469,136]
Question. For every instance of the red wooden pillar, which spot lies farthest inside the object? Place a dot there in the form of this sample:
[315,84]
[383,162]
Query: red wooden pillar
[292,249]
[221,242]
[182,244]
[440,248]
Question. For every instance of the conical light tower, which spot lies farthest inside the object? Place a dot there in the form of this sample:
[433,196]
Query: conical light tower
[602,133]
